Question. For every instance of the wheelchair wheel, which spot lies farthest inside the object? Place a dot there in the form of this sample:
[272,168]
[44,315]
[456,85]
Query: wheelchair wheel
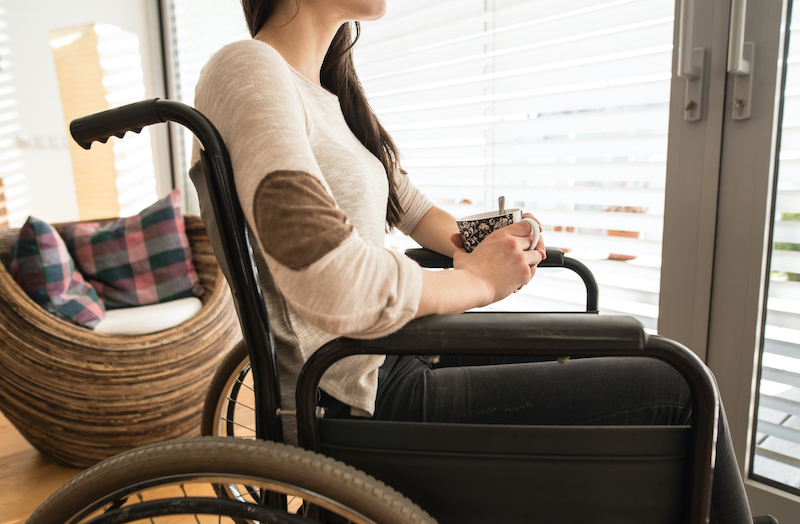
[156,482]
[229,409]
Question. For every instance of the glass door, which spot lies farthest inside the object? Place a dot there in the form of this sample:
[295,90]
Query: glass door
[754,321]
[776,456]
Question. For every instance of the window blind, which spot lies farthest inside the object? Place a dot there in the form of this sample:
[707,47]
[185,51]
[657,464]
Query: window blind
[561,107]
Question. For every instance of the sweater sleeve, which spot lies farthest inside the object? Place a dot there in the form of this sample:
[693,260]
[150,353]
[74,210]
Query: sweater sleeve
[246,90]
[413,202]
[325,270]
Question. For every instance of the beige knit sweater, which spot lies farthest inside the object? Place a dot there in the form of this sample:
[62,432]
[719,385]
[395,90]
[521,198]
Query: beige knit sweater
[316,198]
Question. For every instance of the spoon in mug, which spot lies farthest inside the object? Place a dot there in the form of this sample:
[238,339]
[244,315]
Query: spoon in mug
[502,202]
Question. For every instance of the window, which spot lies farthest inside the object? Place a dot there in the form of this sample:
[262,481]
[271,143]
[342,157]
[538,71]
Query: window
[13,185]
[561,107]
[777,452]
[197,29]
[99,66]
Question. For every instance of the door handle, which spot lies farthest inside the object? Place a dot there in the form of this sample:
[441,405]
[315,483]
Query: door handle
[740,61]
[738,64]
[690,63]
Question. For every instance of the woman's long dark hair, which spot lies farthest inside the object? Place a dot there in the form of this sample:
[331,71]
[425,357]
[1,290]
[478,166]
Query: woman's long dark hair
[338,75]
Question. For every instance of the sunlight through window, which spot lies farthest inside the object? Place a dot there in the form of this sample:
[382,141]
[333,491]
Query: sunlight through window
[561,107]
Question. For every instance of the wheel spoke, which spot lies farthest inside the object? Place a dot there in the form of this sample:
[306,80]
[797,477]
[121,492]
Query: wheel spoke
[241,404]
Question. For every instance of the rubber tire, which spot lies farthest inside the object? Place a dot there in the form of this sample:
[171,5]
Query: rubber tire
[218,390]
[210,456]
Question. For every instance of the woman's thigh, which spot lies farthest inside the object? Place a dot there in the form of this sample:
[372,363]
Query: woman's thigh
[601,391]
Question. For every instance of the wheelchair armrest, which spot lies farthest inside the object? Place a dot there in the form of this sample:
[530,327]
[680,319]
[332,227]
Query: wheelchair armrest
[432,259]
[512,333]
[555,258]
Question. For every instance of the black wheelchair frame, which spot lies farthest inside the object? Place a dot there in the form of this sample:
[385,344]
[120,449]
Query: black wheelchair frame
[474,333]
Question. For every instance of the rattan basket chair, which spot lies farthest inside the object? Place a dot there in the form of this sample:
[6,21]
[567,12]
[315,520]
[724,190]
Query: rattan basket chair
[80,397]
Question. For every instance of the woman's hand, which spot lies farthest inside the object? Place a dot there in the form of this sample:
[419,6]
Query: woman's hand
[500,265]
[505,260]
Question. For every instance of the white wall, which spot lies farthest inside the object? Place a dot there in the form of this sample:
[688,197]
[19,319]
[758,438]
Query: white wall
[43,133]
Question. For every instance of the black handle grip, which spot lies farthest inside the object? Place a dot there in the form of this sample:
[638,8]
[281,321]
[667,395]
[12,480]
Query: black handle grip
[117,121]
[427,258]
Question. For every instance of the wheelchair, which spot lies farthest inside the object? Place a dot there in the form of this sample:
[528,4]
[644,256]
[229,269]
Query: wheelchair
[453,472]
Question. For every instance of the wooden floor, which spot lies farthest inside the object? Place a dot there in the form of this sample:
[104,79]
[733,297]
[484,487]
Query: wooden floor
[26,479]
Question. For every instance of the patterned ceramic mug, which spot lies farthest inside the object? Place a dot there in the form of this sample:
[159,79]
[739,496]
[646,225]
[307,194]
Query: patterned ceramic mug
[475,228]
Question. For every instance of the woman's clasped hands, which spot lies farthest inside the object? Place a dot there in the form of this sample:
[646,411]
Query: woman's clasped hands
[505,261]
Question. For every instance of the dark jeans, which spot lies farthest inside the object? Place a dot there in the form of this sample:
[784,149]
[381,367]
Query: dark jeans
[602,391]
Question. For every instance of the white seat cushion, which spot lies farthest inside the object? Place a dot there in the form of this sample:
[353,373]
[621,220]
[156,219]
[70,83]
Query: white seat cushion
[141,320]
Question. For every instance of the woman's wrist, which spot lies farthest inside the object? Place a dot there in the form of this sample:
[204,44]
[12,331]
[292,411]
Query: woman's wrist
[453,291]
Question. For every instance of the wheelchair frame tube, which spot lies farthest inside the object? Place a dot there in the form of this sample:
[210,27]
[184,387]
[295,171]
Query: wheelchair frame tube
[232,232]
[592,289]
[250,307]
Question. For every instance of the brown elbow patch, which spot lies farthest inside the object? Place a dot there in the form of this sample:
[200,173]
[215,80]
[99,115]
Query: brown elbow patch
[296,219]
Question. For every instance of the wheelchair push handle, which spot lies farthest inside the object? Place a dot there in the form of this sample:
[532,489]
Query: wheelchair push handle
[118,121]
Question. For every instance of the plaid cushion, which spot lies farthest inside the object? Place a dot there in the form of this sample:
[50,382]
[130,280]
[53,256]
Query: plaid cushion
[42,266]
[139,260]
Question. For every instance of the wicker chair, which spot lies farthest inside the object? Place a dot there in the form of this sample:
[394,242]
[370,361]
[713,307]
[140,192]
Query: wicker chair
[80,396]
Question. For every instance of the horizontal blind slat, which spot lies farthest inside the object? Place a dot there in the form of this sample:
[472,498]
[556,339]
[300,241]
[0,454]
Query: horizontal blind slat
[572,95]
[788,261]
[646,200]
[787,231]
[785,289]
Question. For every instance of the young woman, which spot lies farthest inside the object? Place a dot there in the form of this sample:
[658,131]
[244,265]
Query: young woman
[319,181]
